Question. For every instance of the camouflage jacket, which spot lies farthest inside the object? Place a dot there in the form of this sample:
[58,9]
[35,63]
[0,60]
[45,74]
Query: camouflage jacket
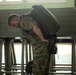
[26,25]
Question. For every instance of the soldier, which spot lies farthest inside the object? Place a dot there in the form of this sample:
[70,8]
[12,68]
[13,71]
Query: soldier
[33,34]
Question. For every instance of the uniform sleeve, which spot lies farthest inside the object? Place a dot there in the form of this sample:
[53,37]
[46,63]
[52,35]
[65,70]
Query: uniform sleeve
[27,23]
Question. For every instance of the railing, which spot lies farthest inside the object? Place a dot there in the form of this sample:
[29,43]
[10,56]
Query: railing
[8,68]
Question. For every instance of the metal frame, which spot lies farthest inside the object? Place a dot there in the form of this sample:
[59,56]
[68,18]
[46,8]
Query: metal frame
[1,42]
[25,50]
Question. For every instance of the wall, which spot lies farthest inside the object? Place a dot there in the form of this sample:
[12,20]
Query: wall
[64,13]
[65,16]
[25,5]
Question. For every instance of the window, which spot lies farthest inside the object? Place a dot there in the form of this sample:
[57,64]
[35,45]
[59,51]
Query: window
[10,1]
[64,53]
[0,0]
[13,0]
[64,58]
[46,1]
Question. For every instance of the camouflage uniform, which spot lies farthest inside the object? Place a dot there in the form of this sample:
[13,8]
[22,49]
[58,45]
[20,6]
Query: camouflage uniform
[40,48]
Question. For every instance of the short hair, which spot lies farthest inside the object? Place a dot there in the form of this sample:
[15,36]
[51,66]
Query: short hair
[10,18]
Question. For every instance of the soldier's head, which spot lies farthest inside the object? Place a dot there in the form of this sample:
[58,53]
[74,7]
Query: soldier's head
[13,20]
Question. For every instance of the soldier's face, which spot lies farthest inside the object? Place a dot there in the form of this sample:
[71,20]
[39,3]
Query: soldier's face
[14,22]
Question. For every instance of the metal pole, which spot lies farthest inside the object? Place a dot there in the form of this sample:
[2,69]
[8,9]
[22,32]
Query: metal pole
[22,59]
[26,53]
[7,46]
[73,55]
[13,57]
[30,51]
[13,52]
[1,42]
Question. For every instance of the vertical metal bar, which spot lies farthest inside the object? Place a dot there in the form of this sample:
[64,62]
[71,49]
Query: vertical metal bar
[13,57]
[7,54]
[13,51]
[73,55]
[27,53]
[1,42]
[30,52]
[22,59]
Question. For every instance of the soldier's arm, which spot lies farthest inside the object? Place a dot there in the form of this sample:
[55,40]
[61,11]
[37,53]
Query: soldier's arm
[38,32]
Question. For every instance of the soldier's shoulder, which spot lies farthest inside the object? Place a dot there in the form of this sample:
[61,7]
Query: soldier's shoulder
[25,16]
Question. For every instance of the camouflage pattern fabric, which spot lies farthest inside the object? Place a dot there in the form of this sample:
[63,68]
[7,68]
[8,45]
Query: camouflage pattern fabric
[40,58]
[40,49]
